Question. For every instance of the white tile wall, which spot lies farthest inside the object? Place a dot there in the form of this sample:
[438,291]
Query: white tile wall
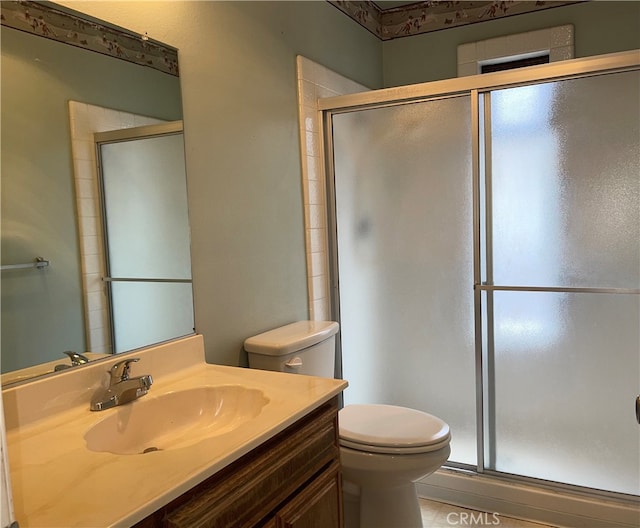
[85,120]
[557,41]
[316,81]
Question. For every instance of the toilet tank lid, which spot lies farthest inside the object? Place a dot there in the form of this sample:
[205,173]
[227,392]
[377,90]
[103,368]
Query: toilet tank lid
[291,338]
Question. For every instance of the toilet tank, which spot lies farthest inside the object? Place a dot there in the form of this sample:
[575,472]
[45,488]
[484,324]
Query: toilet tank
[305,347]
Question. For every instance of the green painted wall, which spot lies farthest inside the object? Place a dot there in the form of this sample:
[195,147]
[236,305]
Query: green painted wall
[599,27]
[42,311]
[238,83]
[243,158]
[237,64]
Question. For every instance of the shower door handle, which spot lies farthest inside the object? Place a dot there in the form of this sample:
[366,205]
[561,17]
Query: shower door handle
[638,409]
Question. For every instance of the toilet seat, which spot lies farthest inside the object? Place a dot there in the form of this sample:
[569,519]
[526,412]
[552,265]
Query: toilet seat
[391,429]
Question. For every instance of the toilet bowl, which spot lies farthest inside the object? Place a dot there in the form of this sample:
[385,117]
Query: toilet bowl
[384,449]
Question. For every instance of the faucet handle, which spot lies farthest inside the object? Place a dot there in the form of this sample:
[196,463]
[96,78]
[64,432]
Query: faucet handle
[120,370]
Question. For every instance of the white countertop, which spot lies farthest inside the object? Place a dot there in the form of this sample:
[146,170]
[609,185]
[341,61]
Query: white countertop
[58,482]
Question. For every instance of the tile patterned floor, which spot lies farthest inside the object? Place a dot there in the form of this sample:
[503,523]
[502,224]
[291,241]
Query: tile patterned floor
[440,515]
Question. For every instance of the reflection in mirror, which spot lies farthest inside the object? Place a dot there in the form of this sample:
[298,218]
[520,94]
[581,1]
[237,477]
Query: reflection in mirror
[55,91]
[146,230]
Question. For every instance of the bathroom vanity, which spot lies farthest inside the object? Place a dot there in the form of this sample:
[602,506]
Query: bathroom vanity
[269,457]
[290,480]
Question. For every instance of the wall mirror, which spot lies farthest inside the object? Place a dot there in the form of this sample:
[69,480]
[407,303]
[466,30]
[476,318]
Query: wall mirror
[67,78]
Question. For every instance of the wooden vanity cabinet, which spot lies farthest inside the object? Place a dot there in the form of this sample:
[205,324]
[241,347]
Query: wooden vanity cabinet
[317,505]
[292,480]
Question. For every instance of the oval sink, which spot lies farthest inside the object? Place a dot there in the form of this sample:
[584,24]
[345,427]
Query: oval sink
[175,420]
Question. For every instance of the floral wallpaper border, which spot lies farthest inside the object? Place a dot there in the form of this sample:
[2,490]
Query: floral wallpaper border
[56,23]
[434,15]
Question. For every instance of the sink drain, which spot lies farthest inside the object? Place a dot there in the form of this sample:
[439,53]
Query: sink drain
[151,449]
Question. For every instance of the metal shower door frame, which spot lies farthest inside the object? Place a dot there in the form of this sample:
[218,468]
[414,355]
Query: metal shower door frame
[478,87]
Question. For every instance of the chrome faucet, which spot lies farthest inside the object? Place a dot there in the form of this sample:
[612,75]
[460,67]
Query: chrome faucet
[76,359]
[122,389]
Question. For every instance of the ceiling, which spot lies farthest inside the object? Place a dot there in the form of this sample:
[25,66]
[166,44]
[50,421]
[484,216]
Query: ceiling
[389,19]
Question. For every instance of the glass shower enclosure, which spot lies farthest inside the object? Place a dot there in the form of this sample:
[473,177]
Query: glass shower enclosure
[486,264]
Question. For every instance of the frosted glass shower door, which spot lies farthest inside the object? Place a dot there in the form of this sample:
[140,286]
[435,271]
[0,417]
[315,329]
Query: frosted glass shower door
[403,188]
[563,350]
[148,241]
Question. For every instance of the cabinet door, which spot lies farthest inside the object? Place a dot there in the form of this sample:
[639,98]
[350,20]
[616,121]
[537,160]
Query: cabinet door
[318,505]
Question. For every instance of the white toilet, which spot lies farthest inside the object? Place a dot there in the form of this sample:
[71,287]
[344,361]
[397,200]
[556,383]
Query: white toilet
[384,449]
